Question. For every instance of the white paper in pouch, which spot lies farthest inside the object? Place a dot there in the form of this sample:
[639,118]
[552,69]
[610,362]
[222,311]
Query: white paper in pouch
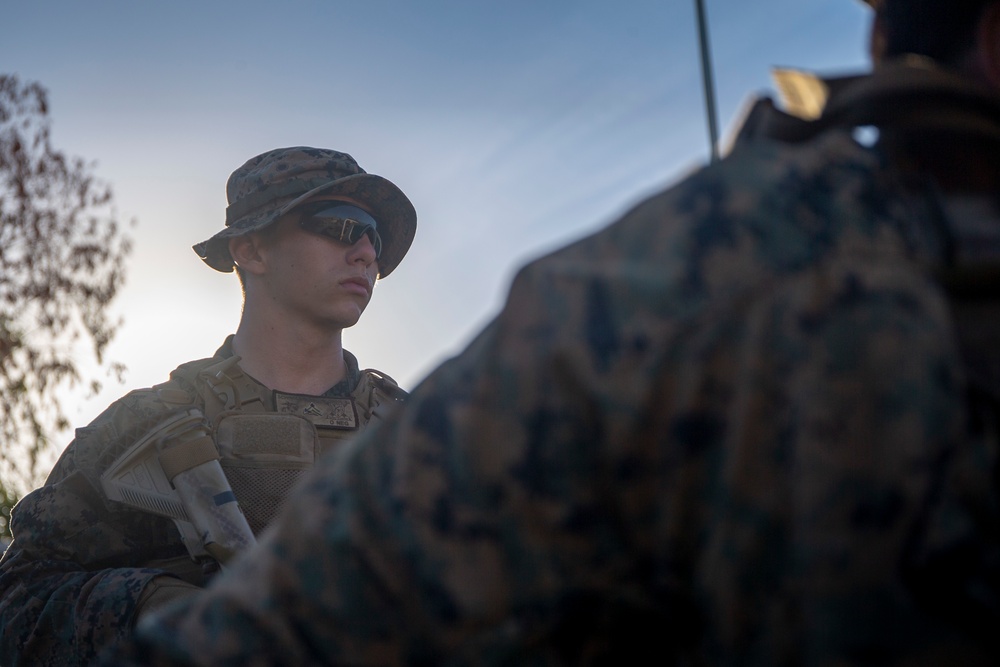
[212,507]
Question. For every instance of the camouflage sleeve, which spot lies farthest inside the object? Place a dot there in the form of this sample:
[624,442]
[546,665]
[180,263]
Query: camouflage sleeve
[705,435]
[69,583]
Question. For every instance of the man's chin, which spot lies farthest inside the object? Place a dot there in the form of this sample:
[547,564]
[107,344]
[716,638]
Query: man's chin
[345,319]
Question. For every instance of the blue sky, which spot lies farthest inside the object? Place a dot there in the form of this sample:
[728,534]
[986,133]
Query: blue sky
[513,127]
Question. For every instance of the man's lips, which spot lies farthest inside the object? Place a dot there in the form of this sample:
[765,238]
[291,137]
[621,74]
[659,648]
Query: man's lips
[358,283]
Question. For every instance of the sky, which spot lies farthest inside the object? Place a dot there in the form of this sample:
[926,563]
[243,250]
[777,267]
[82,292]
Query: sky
[514,127]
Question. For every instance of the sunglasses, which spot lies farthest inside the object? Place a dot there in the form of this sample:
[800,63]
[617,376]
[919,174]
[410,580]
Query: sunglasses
[342,222]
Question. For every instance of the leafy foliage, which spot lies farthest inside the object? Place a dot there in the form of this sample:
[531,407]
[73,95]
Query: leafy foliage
[7,501]
[62,258]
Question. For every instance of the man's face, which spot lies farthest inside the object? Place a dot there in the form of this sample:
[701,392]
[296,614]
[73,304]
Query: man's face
[324,281]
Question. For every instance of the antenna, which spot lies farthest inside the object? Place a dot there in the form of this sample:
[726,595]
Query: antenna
[706,73]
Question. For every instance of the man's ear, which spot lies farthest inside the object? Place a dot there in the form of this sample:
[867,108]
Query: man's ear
[245,250]
[988,44]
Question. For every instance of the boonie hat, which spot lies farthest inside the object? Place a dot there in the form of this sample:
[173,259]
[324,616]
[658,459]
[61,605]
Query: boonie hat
[272,184]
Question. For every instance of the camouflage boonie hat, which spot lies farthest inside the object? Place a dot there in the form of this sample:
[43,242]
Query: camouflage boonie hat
[272,184]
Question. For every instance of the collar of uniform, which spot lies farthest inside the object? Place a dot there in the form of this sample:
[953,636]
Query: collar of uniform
[907,93]
[342,388]
[350,381]
[226,349]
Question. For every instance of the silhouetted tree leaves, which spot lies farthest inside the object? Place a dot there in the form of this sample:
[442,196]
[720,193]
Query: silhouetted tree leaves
[62,257]
[7,501]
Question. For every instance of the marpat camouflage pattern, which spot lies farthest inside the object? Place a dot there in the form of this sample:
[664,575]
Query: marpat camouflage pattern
[74,578]
[730,428]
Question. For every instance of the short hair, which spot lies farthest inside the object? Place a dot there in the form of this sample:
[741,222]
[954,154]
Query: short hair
[939,29]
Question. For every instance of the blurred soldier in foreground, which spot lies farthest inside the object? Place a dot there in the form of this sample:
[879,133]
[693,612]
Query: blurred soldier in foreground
[752,422]
[141,508]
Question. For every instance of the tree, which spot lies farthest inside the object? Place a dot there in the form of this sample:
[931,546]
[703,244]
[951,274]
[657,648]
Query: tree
[7,501]
[62,255]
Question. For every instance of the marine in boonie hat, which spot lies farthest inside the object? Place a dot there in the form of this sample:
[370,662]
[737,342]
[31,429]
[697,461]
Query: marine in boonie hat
[274,183]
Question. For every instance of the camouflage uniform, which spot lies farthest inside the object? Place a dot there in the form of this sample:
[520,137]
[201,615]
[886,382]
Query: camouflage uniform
[733,427]
[83,566]
[76,573]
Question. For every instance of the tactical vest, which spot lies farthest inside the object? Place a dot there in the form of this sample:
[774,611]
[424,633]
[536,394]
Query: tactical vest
[267,439]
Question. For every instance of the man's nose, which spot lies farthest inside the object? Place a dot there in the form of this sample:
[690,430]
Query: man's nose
[363,251]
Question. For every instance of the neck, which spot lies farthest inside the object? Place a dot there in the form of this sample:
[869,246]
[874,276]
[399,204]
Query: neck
[287,357]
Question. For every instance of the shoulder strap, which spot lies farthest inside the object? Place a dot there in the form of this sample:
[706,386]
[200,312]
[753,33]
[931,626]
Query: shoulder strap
[376,393]
[219,385]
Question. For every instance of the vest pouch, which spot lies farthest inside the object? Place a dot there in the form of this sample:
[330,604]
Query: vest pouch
[173,470]
[264,455]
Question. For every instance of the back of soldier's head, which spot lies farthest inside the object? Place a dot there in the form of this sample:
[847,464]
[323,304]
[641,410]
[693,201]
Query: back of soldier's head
[939,29]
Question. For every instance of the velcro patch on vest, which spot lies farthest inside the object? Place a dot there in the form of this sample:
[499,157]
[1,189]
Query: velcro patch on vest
[323,411]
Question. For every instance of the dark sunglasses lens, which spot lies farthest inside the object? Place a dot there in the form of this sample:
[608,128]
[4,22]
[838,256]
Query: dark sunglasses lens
[354,234]
[339,211]
[344,223]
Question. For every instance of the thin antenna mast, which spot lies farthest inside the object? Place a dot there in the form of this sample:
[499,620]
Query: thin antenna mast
[706,73]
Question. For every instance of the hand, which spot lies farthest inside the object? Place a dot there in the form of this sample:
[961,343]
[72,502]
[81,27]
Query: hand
[162,591]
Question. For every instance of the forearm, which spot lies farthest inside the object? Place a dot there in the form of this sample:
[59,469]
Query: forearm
[71,580]
[54,614]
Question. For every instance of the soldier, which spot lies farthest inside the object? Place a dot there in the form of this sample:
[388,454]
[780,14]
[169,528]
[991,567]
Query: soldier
[752,422]
[308,232]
